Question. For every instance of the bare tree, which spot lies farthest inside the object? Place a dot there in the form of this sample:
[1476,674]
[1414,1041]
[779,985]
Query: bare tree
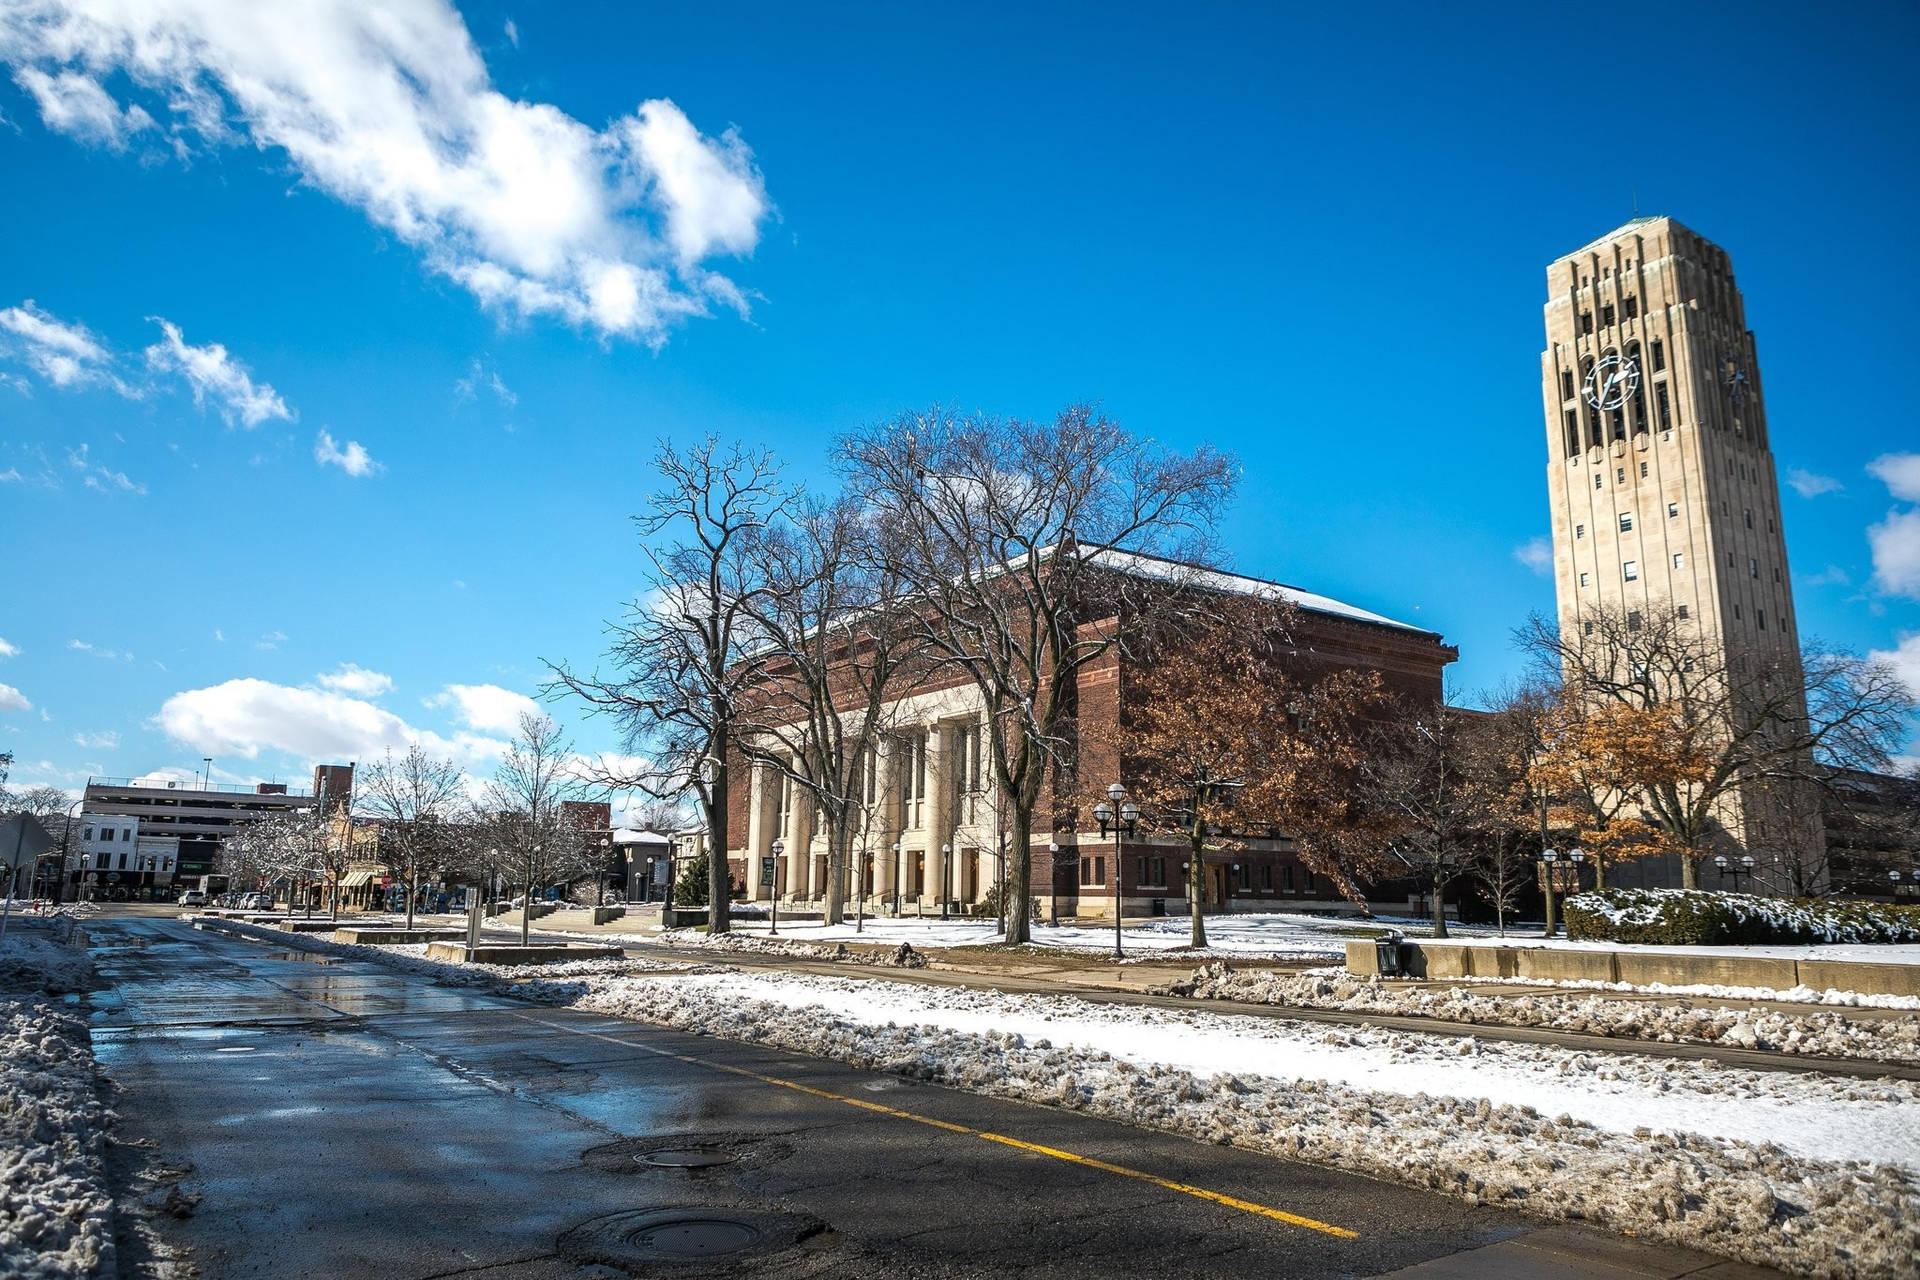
[283,846]
[678,655]
[1721,730]
[524,806]
[1425,774]
[836,641]
[1008,533]
[414,799]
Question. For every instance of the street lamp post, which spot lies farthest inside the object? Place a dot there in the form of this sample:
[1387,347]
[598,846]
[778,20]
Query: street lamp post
[773,894]
[860,897]
[1736,870]
[1053,884]
[1121,816]
[896,879]
[1549,857]
[946,877]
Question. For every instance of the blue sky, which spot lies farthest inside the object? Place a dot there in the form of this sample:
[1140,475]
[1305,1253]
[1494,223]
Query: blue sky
[378,321]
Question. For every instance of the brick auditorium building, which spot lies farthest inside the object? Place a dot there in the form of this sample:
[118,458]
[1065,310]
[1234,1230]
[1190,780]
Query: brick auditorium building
[931,827]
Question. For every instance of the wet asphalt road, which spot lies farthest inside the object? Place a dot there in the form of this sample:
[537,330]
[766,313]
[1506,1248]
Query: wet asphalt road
[343,1119]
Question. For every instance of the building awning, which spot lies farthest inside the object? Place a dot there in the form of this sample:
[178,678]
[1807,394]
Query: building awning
[355,879]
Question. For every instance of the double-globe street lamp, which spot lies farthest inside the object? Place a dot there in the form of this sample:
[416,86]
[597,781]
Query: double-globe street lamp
[1736,870]
[1120,816]
[1551,858]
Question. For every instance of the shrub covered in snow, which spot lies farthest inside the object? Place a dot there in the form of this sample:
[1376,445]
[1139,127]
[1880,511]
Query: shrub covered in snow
[1695,917]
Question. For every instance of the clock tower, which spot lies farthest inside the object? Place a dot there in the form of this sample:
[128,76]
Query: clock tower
[1660,471]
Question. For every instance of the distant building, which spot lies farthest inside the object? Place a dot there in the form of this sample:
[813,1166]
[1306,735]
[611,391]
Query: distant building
[644,861]
[187,821]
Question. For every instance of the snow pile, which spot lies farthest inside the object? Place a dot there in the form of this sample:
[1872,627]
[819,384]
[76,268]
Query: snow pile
[900,957]
[1748,1200]
[56,1213]
[1802,994]
[1710,919]
[1821,1034]
[33,958]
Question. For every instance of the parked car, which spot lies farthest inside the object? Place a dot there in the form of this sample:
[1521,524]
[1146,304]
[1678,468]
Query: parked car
[193,898]
[257,902]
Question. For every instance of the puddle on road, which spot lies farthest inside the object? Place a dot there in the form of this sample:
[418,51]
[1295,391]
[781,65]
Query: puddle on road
[308,957]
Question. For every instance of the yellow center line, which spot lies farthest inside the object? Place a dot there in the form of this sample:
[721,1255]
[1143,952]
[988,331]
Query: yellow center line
[1034,1148]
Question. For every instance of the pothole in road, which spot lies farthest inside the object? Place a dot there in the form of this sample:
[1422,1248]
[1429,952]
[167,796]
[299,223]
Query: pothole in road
[691,1153]
[686,1236]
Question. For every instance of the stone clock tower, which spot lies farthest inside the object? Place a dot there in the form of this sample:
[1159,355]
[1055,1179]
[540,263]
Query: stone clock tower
[1659,466]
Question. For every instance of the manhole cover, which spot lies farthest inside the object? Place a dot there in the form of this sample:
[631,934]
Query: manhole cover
[694,1237]
[686,1237]
[690,1154]
[687,1158]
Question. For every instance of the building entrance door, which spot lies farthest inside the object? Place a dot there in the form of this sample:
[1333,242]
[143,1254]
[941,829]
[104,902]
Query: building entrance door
[969,875]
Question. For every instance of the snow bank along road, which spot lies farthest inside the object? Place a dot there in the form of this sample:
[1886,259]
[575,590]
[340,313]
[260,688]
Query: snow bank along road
[1661,1148]
[351,1117]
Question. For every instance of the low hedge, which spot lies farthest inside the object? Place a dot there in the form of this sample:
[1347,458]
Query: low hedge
[1697,918]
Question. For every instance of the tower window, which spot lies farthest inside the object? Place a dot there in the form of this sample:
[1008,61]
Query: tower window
[1617,418]
[1630,306]
[1736,612]
[1631,570]
[1660,402]
[1673,509]
[1760,618]
[1682,611]
[1659,355]
[1754,566]
[1573,431]
[1679,559]
[1633,620]
[1579,531]
[1643,471]
[1626,522]
[1749,517]
[1586,628]
[1566,384]
[1583,579]
[1776,573]
[1730,560]
[1598,479]
[1586,322]
[1606,316]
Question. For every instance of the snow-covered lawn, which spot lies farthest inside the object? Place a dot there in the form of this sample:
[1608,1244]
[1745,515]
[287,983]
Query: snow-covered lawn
[1274,936]
[56,1212]
[1818,1032]
[1815,1173]
[1869,952]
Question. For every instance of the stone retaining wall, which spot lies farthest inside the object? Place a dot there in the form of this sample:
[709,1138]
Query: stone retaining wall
[494,953]
[1706,966]
[392,937]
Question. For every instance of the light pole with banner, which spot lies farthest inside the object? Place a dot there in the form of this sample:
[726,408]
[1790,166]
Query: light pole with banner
[770,876]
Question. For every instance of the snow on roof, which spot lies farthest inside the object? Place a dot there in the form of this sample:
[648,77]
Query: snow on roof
[1142,565]
[627,835]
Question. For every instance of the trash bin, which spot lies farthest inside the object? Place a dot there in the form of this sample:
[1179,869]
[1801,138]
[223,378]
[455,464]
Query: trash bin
[1387,952]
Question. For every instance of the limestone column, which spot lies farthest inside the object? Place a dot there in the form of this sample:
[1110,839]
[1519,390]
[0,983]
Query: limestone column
[757,836]
[792,874]
[882,830]
[939,813]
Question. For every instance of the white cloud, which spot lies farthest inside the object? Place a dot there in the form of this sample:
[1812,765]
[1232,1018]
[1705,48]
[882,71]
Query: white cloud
[485,708]
[1900,472]
[513,33]
[212,373]
[75,104]
[7,649]
[245,717]
[111,655]
[66,355]
[99,476]
[1810,485]
[478,377]
[396,115]
[353,459]
[11,699]
[1896,552]
[103,741]
[1831,576]
[1536,554]
[271,640]
[357,680]
[1905,659]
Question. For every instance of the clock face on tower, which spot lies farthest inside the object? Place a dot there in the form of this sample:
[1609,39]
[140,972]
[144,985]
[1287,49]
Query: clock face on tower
[1612,381]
